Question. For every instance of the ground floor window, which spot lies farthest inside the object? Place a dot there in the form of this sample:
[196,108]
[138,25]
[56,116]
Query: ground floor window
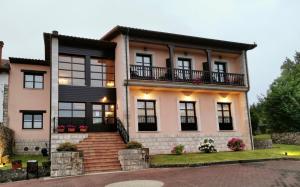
[147,120]
[188,116]
[71,113]
[224,116]
[32,120]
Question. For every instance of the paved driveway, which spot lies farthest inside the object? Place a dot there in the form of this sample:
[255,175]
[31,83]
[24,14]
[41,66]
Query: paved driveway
[262,174]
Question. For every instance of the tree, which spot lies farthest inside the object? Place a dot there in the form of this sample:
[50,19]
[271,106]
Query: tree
[281,105]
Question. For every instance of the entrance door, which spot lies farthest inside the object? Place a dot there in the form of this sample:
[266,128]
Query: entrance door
[103,118]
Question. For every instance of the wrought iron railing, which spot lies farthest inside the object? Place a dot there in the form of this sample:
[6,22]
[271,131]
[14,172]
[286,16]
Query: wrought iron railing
[122,131]
[189,76]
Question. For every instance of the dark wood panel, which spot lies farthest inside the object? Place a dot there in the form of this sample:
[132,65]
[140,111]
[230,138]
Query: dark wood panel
[100,53]
[86,94]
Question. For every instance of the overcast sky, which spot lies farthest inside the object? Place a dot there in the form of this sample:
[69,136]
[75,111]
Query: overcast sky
[272,24]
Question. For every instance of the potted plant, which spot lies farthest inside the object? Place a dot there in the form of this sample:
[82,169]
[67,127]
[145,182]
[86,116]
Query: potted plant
[83,128]
[71,128]
[61,128]
[67,146]
[16,164]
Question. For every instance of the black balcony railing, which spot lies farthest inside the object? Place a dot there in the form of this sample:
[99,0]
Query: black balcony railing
[190,76]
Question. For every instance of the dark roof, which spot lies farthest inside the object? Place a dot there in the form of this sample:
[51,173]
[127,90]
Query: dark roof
[76,42]
[176,38]
[15,60]
[4,65]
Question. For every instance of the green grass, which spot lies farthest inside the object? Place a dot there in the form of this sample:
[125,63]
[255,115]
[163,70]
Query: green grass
[262,137]
[277,151]
[24,159]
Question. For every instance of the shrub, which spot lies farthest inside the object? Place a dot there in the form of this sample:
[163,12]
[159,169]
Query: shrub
[178,149]
[67,146]
[134,145]
[236,144]
[207,146]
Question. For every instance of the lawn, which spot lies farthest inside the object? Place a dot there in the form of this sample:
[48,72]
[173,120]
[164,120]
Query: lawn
[24,159]
[278,151]
[262,137]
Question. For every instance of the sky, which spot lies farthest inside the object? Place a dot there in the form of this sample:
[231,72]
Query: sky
[272,24]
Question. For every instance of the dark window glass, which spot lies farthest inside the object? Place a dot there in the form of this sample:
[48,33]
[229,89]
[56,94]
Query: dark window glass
[32,120]
[33,80]
[145,63]
[146,115]
[103,114]
[220,68]
[71,70]
[71,113]
[224,116]
[188,116]
[184,68]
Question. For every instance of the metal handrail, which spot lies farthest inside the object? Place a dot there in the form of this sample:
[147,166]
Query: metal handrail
[122,131]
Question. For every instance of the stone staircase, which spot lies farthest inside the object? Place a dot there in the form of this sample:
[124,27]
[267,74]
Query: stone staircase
[100,152]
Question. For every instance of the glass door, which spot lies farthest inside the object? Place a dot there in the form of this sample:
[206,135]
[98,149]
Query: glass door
[103,117]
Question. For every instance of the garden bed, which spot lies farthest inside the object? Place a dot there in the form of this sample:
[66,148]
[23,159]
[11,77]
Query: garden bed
[24,159]
[277,152]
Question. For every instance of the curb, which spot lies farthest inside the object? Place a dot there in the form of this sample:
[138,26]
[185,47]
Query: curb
[219,163]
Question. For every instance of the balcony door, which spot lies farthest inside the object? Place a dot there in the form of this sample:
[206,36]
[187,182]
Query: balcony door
[184,68]
[103,118]
[220,69]
[144,62]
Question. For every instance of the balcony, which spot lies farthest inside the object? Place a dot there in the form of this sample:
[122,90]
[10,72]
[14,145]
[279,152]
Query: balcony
[196,77]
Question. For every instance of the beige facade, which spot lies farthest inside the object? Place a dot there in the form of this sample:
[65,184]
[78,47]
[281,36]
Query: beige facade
[25,99]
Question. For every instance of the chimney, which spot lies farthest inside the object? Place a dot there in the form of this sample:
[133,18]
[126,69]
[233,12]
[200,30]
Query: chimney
[1,46]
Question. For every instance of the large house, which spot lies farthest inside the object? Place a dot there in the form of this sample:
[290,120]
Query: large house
[157,88]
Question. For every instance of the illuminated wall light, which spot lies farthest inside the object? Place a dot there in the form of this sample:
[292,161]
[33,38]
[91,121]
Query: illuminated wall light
[146,94]
[104,99]
[187,96]
[224,97]
[110,84]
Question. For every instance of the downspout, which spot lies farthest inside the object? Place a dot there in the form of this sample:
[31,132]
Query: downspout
[126,83]
[50,119]
[247,102]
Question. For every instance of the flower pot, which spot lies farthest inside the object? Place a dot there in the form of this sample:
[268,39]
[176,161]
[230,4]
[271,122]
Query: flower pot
[71,129]
[16,164]
[83,130]
[60,130]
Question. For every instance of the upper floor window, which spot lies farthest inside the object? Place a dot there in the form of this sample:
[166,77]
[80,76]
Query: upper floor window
[33,80]
[146,115]
[144,64]
[102,73]
[220,68]
[71,70]
[184,68]
[224,116]
[188,116]
[32,120]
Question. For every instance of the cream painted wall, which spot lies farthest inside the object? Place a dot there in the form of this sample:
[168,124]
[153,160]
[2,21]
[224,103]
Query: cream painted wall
[28,99]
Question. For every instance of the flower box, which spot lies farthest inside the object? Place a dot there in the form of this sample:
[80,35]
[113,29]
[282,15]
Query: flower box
[61,129]
[83,128]
[16,164]
[71,128]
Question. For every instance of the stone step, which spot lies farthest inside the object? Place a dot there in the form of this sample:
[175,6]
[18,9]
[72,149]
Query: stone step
[101,157]
[102,160]
[102,164]
[102,169]
[101,143]
[97,147]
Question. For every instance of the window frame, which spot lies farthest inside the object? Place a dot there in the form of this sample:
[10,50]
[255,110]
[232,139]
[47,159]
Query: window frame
[139,124]
[223,119]
[145,71]
[104,79]
[32,113]
[72,109]
[183,73]
[195,124]
[34,74]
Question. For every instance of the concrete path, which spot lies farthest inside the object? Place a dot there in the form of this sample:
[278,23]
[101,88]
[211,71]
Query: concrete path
[261,174]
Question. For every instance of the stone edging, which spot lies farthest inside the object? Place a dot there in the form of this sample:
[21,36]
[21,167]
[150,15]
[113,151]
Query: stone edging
[219,163]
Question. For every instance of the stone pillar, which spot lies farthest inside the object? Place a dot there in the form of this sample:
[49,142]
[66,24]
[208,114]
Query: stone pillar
[5,105]
[54,80]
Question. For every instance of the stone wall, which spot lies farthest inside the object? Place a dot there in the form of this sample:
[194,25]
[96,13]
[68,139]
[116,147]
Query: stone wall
[163,144]
[66,164]
[5,105]
[32,147]
[263,144]
[57,138]
[133,159]
[286,138]
[6,140]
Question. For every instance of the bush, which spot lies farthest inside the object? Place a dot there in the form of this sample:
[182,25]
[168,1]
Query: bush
[178,149]
[236,144]
[134,145]
[207,146]
[67,146]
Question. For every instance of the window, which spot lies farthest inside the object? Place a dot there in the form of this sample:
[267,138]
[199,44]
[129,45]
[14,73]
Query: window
[224,116]
[71,113]
[33,80]
[146,115]
[144,61]
[71,70]
[184,68]
[188,116]
[103,114]
[32,120]
[102,73]
[220,68]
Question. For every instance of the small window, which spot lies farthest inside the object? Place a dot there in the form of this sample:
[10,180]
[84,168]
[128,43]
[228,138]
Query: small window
[34,80]
[32,120]
[188,116]
[224,116]
[146,115]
